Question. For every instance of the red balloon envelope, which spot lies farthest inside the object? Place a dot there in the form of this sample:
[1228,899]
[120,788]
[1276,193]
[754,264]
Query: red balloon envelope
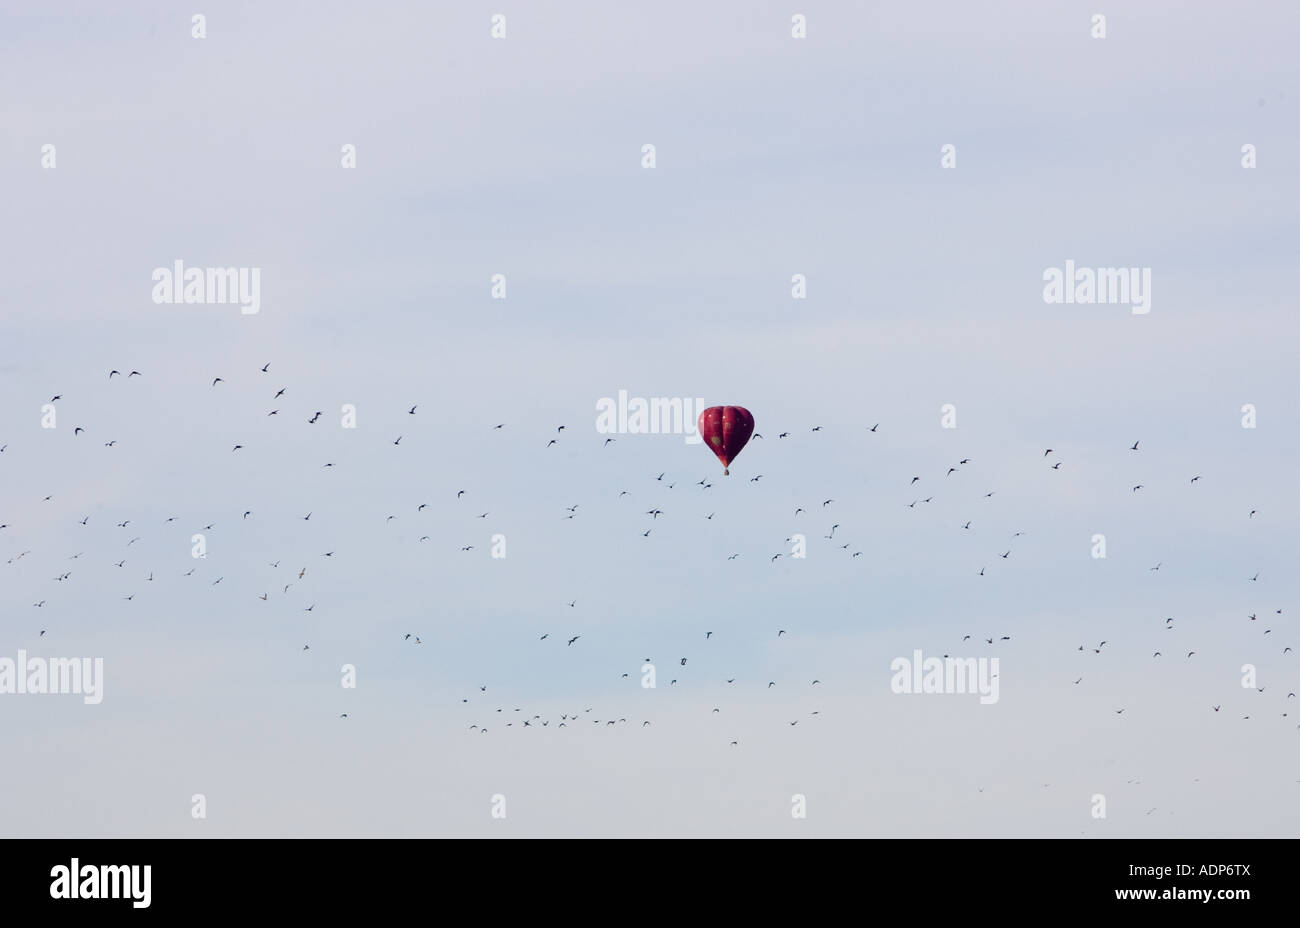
[726,429]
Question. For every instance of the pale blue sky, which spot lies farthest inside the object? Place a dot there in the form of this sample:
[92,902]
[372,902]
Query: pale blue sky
[774,157]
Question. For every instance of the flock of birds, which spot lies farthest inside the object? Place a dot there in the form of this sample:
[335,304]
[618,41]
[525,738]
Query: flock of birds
[295,574]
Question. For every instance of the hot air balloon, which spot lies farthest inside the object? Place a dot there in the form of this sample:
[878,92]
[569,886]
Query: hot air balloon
[726,429]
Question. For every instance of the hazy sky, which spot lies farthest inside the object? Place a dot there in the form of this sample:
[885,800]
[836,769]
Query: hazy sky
[775,156]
